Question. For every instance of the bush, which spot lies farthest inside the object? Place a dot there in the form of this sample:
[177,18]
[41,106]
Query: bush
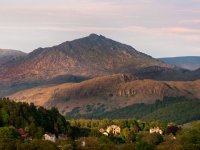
[8,133]
[143,145]
[154,138]
[38,145]
[190,138]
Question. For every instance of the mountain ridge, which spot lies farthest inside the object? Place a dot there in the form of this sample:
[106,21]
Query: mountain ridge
[107,93]
[8,56]
[187,62]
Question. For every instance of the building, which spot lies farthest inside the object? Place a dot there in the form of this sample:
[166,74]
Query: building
[113,129]
[156,130]
[105,133]
[50,137]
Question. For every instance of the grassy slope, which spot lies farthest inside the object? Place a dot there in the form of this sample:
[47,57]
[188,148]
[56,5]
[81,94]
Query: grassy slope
[178,110]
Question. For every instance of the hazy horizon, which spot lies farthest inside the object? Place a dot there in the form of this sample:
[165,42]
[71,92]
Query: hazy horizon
[158,28]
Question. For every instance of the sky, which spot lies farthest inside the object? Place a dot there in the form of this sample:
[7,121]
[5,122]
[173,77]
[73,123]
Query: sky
[160,28]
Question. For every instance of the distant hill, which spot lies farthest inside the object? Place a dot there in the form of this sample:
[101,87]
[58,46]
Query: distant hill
[106,93]
[188,62]
[7,55]
[178,110]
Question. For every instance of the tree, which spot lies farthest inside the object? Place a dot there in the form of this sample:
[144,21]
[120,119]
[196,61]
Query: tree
[142,145]
[190,138]
[154,138]
[128,135]
[8,133]
[172,129]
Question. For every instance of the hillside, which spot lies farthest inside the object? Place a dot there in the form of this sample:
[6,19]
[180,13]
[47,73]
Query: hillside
[178,110]
[7,55]
[106,93]
[187,62]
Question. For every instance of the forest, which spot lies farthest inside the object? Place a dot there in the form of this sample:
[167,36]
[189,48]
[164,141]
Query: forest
[170,109]
[89,134]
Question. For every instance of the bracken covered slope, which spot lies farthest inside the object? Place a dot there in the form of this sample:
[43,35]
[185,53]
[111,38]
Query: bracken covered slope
[107,93]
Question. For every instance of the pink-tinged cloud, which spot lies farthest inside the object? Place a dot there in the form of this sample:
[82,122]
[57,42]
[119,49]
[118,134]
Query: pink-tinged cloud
[170,30]
[188,10]
[83,7]
[180,30]
[26,24]
[138,29]
[195,21]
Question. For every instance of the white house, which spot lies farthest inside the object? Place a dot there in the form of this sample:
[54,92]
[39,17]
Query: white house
[50,137]
[156,130]
[105,133]
[113,129]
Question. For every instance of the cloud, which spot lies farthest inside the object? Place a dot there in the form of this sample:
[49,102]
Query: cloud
[159,23]
[195,21]
[88,27]
[174,30]
[179,30]
[82,6]
[188,10]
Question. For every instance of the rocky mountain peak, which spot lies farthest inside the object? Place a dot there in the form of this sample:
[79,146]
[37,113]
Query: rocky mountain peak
[91,56]
[95,36]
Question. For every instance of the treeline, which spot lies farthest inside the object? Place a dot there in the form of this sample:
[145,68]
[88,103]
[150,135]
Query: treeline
[35,120]
[179,110]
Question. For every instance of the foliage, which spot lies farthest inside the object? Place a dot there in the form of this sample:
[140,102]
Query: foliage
[143,145]
[173,129]
[154,138]
[7,144]
[8,133]
[178,110]
[190,138]
[84,134]
[38,145]
[36,120]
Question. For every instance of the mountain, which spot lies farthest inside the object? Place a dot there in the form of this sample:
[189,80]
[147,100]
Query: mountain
[88,57]
[7,55]
[187,62]
[106,93]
